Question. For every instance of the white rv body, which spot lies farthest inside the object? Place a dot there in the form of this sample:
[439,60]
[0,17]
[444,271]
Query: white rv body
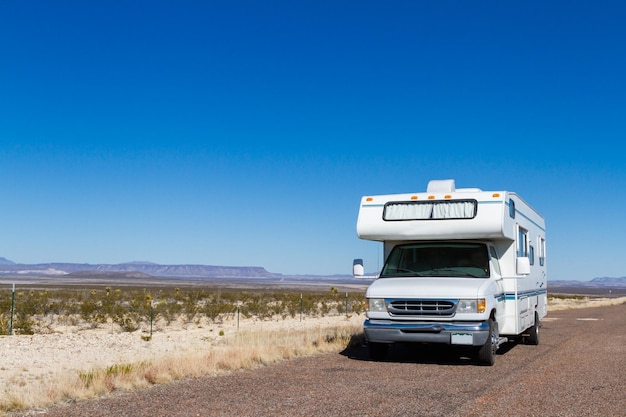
[445,299]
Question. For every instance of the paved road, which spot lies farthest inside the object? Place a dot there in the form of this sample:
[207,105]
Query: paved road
[578,369]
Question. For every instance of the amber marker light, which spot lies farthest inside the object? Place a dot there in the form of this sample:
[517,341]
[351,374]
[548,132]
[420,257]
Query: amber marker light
[369,199]
[431,197]
[481,305]
[413,197]
[496,195]
[447,196]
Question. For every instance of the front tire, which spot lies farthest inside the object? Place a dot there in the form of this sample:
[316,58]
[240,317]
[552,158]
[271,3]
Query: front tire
[487,352]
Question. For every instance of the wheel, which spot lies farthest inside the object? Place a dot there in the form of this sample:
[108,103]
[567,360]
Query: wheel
[378,351]
[533,333]
[487,352]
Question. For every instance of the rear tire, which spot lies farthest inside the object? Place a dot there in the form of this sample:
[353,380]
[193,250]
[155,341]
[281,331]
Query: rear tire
[487,352]
[378,351]
[533,333]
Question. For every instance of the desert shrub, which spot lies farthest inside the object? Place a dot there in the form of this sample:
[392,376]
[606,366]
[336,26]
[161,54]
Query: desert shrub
[567,297]
[5,313]
[310,304]
[170,309]
[5,322]
[133,308]
[291,303]
[89,310]
[357,305]
[129,322]
[190,305]
[324,308]
[216,309]
[23,324]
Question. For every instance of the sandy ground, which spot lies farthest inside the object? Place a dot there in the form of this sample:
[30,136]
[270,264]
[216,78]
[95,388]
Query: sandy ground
[30,362]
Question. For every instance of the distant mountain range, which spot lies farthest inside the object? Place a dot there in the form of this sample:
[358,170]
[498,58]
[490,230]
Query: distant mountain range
[8,267]
[602,282]
[149,269]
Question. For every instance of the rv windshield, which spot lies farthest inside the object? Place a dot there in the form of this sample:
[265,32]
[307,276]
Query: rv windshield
[439,259]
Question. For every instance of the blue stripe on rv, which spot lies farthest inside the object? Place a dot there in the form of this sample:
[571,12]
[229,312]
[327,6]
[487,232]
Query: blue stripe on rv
[530,293]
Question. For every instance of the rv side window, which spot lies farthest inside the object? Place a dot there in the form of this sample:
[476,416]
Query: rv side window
[522,242]
[494,260]
[542,251]
[531,255]
[512,209]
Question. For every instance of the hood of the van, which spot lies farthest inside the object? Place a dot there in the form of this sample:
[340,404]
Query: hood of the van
[415,287]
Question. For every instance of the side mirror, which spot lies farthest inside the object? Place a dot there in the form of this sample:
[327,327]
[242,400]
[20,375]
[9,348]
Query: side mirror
[523,266]
[357,268]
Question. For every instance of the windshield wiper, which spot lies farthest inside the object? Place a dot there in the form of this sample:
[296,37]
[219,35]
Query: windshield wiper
[457,273]
[410,271]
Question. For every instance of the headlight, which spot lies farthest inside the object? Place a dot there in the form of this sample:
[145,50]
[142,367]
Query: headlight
[377,304]
[471,306]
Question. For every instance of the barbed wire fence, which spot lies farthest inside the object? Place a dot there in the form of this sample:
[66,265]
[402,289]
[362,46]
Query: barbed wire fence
[25,311]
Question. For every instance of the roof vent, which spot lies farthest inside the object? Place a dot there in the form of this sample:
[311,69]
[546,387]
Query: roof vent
[440,186]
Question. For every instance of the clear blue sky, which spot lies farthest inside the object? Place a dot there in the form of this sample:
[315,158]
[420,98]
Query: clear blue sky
[245,133]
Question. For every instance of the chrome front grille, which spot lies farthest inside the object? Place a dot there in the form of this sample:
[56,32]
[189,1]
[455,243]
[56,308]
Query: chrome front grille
[421,307]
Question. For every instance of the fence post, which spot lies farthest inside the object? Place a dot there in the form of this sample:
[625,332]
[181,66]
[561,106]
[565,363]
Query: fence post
[12,310]
[151,317]
[346,303]
[300,306]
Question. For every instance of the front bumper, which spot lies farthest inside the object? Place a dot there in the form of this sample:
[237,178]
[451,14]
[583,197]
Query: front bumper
[462,333]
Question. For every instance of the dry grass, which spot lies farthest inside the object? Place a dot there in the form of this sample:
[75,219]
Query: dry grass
[245,349]
[567,303]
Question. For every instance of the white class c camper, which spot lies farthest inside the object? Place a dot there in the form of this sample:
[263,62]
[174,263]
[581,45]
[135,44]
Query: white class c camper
[462,267]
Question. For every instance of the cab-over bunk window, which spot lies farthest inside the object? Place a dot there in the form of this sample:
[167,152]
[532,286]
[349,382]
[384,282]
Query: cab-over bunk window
[430,210]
